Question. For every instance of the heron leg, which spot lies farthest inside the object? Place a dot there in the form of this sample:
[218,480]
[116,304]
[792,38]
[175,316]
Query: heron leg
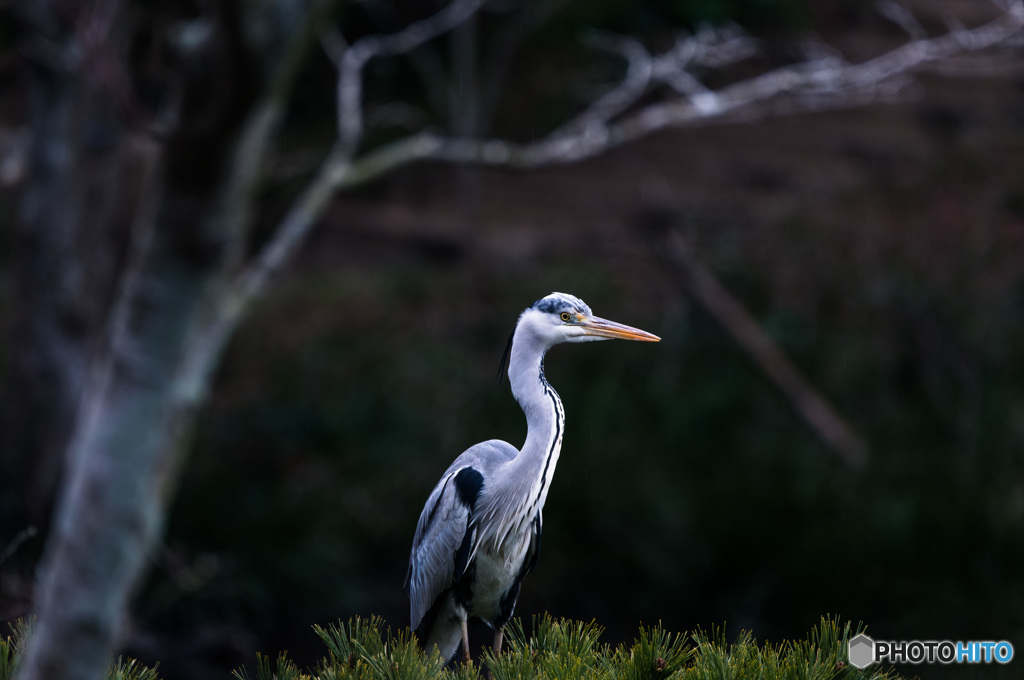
[499,635]
[466,658]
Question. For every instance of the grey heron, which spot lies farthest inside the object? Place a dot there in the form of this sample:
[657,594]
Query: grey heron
[479,532]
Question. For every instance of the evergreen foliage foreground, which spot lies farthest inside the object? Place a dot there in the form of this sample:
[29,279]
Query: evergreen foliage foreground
[362,649]
[568,650]
[12,644]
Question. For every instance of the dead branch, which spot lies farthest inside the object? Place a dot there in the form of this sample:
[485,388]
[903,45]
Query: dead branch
[515,32]
[826,81]
[902,17]
[355,58]
[699,283]
[258,134]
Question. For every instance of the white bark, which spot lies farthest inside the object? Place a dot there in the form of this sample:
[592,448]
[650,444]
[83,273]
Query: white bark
[158,349]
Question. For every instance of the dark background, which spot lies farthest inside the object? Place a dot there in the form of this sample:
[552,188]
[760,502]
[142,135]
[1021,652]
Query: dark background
[881,247]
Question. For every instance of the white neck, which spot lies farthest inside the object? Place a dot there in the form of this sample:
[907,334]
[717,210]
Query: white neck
[545,417]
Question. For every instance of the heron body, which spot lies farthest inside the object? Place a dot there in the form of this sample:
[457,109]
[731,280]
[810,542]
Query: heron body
[479,532]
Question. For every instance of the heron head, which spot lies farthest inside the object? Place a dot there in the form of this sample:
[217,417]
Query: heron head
[560,317]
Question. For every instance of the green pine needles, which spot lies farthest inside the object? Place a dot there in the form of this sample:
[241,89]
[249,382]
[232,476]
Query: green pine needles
[12,644]
[9,646]
[557,649]
[362,649]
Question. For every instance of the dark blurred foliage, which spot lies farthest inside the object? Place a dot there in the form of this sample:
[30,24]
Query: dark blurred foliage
[881,248]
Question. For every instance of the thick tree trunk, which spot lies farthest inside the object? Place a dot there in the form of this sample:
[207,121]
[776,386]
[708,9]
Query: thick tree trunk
[75,214]
[127,448]
[137,413]
[120,271]
[164,303]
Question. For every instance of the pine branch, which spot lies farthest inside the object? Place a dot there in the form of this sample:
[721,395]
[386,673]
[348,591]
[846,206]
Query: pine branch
[573,650]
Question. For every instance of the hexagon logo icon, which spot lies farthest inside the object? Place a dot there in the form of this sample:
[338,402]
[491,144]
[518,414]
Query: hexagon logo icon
[862,651]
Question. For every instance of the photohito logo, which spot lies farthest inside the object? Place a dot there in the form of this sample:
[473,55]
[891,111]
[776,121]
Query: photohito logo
[864,651]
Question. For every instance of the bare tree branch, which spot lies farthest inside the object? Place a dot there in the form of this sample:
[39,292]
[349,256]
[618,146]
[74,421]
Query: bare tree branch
[338,170]
[902,17]
[424,59]
[620,98]
[506,45]
[824,82]
[334,45]
[258,133]
[290,232]
[819,84]
[709,47]
[703,286]
[355,58]
[24,535]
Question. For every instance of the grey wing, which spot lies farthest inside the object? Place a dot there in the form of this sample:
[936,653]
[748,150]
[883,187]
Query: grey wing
[440,534]
[446,533]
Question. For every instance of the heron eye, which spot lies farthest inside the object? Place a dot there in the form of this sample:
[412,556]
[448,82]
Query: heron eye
[565,316]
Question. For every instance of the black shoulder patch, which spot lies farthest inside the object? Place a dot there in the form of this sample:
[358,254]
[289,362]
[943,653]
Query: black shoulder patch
[468,485]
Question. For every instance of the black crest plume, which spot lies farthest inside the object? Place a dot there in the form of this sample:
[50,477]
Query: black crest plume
[503,366]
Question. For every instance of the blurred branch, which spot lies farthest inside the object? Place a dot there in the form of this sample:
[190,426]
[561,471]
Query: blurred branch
[424,59]
[258,132]
[355,58]
[625,94]
[709,47]
[902,17]
[508,42]
[287,238]
[698,282]
[826,81]
[338,170]
[24,535]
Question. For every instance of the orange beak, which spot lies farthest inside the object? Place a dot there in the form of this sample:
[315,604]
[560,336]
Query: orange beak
[595,325]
